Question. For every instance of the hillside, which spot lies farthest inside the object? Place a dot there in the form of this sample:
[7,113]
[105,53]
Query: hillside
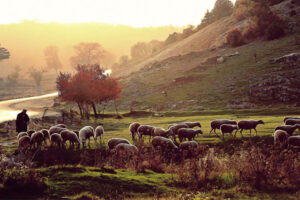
[187,71]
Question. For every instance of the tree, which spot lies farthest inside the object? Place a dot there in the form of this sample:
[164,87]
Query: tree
[13,77]
[222,8]
[88,54]
[52,58]
[123,60]
[207,19]
[4,53]
[88,87]
[140,50]
[37,75]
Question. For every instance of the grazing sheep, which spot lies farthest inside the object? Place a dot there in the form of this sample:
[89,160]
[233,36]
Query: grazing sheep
[61,125]
[292,121]
[56,139]
[228,128]
[30,132]
[286,118]
[188,133]
[70,136]
[248,125]
[133,128]
[21,134]
[37,138]
[189,124]
[86,133]
[280,136]
[113,142]
[24,142]
[145,130]
[163,143]
[294,141]
[56,129]
[216,124]
[175,129]
[99,131]
[189,146]
[162,132]
[288,128]
[124,149]
[77,133]
[45,134]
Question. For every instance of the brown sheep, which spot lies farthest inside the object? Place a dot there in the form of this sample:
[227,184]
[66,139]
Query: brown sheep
[292,121]
[175,129]
[45,134]
[280,136]
[30,132]
[133,127]
[294,141]
[24,143]
[216,124]
[70,136]
[21,134]
[145,130]
[162,132]
[188,133]
[56,139]
[189,124]
[286,118]
[61,125]
[228,128]
[248,125]
[56,129]
[124,149]
[288,128]
[37,139]
[163,143]
[113,142]
[189,146]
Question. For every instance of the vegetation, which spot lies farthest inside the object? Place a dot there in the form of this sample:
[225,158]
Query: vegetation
[37,75]
[52,58]
[234,38]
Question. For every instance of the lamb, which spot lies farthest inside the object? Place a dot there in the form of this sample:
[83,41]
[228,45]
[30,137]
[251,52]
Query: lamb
[99,131]
[85,133]
[70,136]
[280,136]
[133,127]
[162,132]
[189,146]
[228,128]
[37,138]
[46,134]
[56,139]
[30,132]
[294,141]
[145,130]
[188,133]
[163,143]
[189,124]
[56,129]
[286,118]
[113,142]
[248,125]
[21,134]
[292,121]
[24,142]
[216,124]
[288,128]
[126,149]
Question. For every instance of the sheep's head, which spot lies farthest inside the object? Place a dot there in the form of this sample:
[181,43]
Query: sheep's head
[298,126]
[261,122]
[199,131]
[198,124]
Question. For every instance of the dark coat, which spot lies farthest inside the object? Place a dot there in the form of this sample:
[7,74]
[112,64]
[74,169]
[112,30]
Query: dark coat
[22,122]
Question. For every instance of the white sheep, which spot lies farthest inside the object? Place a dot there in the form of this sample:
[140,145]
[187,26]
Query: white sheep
[46,134]
[188,133]
[56,129]
[99,131]
[24,142]
[70,136]
[21,134]
[133,127]
[280,136]
[124,149]
[113,142]
[164,143]
[37,138]
[162,132]
[86,133]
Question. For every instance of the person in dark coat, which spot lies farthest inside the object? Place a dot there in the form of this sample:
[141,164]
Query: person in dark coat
[22,121]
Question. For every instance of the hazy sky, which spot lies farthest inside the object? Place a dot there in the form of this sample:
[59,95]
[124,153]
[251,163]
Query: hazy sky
[136,13]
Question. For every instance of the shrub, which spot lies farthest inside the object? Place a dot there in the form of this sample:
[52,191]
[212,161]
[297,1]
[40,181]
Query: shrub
[274,31]
[234,38]
[250,33]
[240,13]
[274,2]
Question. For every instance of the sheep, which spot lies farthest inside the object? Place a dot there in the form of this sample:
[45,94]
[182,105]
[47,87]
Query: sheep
[77,133]
[286,118]
[45,134]
[125,149]
[189,124]
[288,128]
[70,136]
[56,138]
[162,132]
[248,125]
[56,129]
[21,134]
[99,131]
[292,121]
[24,142]
[175,129]
[30,132]
[61,125]
[280,136]
[133,129]
[216,124]
[163,143]
[145,130]
[85,133]
[188,133]
[37,138]
[294,141]
[113,142]
[228,128]
[189,146]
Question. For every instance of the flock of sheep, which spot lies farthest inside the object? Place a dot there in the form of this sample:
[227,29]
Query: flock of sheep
[58,134]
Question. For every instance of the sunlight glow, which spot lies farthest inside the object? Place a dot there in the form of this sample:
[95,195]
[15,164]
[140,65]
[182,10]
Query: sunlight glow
[138,13]
[107,72]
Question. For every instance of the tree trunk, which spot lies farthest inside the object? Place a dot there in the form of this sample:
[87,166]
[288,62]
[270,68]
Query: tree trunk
[94,109]
[80,110]
[116,108]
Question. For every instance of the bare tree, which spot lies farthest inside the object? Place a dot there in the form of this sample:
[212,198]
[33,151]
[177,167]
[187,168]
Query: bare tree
[37,75]
[52,58]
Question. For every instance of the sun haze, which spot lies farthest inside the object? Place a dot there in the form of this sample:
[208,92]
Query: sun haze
[137,13]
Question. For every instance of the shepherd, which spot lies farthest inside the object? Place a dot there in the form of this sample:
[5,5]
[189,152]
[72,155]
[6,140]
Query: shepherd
[22,121]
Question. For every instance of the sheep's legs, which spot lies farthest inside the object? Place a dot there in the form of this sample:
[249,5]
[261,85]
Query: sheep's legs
[255,131]
[216,133]
[210,131]
[250,132]
[241,132]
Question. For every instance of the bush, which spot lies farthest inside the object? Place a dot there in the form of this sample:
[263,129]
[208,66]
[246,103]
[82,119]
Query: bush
[240,13]
[250,33]
[274,31]
[234,38]
[274,2]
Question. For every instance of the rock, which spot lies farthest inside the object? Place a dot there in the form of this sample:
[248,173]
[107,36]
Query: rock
[220,60]
[290,58]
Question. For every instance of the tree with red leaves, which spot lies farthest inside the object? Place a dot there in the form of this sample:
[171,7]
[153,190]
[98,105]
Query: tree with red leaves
[87,88]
